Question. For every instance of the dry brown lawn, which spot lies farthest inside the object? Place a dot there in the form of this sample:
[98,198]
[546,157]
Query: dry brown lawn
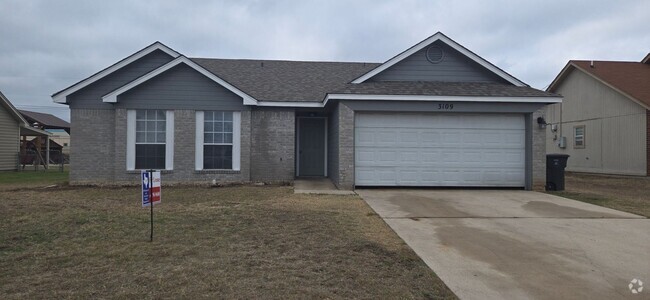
[625,193]
[230,242]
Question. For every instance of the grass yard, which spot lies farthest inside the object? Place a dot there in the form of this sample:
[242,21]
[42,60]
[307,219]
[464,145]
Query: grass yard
[231,242]
[29,177]
[625,193]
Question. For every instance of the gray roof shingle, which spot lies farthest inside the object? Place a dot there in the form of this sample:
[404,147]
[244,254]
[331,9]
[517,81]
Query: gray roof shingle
[278,80]
[301,81]
[437,88]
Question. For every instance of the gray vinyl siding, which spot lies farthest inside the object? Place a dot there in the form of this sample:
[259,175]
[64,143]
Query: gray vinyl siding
[9,141]
[615,127]
[90,97]
[455,67]
[181,87]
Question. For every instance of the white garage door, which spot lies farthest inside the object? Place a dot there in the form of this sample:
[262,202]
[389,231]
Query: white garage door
[404,149]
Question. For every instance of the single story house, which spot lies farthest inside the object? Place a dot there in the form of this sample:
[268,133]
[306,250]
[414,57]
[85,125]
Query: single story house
[604,120]
[12,127]
[436,114]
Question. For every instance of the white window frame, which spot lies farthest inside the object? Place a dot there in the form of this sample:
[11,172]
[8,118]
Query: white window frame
[236,141]
[130,139]
[575,136]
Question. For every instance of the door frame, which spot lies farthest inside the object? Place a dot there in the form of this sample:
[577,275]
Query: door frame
[298,144]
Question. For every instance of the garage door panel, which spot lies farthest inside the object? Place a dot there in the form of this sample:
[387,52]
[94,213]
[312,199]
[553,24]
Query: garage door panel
[439,150]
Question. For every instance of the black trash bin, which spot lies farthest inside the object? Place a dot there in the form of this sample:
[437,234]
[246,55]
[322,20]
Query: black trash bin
[555,164]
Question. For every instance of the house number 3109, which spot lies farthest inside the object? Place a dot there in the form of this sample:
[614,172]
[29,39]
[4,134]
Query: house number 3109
[445,106]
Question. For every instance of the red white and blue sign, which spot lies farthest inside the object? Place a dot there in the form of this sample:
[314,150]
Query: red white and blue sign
[150,187]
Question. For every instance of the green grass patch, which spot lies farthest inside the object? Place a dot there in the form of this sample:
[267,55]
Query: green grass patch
[27,177]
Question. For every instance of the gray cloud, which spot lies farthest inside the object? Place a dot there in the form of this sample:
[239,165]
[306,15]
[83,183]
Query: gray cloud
[48,45]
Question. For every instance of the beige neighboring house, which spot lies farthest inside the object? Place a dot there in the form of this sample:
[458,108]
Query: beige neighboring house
[12,127]
[604,121]
[62,138]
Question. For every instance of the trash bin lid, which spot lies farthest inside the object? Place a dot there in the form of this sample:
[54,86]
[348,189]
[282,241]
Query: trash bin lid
[557,155]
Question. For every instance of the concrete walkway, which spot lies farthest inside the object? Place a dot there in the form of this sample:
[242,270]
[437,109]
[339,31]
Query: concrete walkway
[488,244]
[317,185]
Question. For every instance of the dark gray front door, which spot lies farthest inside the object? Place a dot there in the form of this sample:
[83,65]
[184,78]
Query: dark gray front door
[311,147]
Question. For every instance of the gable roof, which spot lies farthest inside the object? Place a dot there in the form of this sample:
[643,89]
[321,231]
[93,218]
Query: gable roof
[112,96]
[632,79]
[46,120]
[281,80]
[439,36]
[60,96]
[12,110]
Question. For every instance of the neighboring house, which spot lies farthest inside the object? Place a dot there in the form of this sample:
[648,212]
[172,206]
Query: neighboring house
[604,121]
[59,134]
[62,138]
[45,121]
[12,127]
[436,114]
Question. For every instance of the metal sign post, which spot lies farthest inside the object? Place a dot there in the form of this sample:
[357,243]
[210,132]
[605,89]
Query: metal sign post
[151,203]
[151,190]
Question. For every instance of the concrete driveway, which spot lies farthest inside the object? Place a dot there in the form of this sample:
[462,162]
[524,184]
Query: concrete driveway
[492,244]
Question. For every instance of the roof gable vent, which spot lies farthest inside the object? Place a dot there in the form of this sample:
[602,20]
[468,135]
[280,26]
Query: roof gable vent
[435,54]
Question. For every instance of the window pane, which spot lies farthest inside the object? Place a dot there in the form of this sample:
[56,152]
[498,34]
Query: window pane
[150,126]
[140,126]
[207,116]
[218,127]
[151,137]
[160,137]
[160,126]
[208,126]
[227,127]
[218,138]
[160,114]
[218,115]
[150,156]
[140,137]
[207,138]
[228,116]
[217,157]
[227,138]
[140,114]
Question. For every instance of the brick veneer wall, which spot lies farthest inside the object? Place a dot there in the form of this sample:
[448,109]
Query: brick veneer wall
[647,141]
[539,152]
[92,156]
[100,157]
[345,139]
[273,145]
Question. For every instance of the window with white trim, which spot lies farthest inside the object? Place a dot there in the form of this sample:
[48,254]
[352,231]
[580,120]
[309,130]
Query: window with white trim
[218,140]
[579,136]
[149,139]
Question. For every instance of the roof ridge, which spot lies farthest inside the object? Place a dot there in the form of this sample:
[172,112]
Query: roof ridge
[285,60]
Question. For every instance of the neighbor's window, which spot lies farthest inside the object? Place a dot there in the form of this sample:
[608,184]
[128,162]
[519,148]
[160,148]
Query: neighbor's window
[217,140]
[579,136]
[150,138]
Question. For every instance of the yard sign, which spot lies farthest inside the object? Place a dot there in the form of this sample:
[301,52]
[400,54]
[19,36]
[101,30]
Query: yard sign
[150,191]
[150,187]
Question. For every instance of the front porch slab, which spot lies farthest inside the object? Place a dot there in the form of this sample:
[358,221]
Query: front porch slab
[317,185]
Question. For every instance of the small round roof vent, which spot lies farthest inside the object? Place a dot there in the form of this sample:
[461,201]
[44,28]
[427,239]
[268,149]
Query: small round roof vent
[435,54]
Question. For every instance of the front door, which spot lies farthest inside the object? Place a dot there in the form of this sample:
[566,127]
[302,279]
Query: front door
[311,146]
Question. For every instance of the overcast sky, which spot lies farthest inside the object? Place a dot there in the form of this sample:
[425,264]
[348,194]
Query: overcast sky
[46,46]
